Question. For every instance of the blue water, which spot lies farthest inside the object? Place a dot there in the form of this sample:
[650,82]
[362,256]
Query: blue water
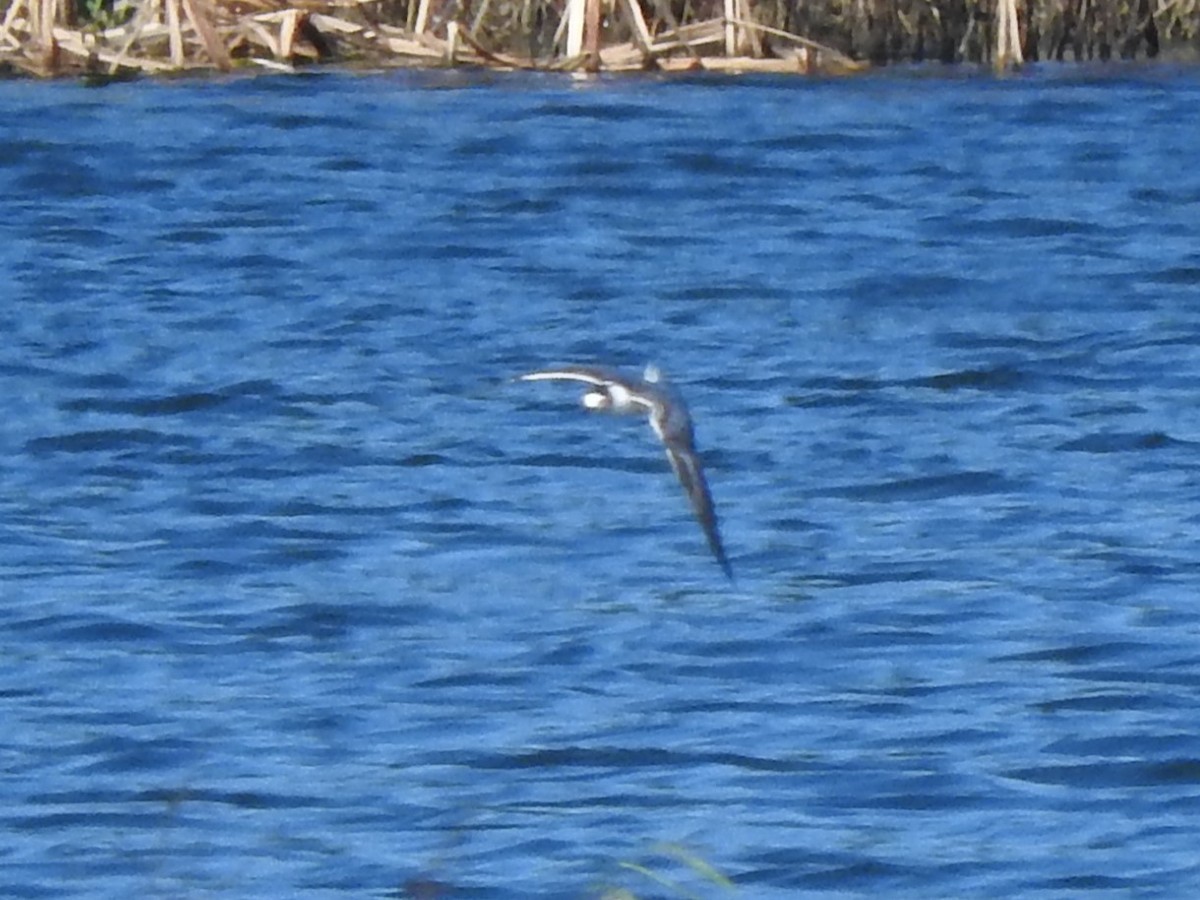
[303,597]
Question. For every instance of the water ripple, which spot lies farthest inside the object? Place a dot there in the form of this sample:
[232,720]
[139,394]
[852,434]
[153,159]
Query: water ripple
[304,597]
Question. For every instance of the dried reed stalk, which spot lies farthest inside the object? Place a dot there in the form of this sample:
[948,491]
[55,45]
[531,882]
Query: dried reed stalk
[200,14]
[72,42]
[637,23]
[591,34]
[10,18]
[501,60]
[49,57]
[479,16]
[174,33]
[575,17]
[660,33]
[1008,36]
[422,17]
[258,33]
[287,33]
[836,56]
[663,8]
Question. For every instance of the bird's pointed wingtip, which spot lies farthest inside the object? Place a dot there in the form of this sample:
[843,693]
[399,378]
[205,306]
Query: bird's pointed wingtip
[727,569]
[538,375]
[716,545]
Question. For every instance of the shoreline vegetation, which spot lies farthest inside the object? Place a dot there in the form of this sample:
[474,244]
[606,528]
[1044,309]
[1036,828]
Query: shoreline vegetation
[114,39]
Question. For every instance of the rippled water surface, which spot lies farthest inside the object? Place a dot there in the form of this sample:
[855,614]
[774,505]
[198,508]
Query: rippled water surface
[302,596]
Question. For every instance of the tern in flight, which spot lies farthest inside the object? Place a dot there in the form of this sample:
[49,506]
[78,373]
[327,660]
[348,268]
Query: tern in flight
[669,418]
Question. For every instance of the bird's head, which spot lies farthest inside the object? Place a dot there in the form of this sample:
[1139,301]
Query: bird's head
[597,400]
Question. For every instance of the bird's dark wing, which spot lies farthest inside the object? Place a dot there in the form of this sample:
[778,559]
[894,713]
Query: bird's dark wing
[691,475]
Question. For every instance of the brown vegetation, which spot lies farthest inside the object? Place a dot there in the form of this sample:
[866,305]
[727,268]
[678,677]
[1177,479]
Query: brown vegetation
[109,38]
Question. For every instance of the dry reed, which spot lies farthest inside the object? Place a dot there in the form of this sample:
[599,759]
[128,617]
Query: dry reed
[49,37]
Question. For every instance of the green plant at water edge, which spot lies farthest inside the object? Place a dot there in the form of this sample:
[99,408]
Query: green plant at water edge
[104,14]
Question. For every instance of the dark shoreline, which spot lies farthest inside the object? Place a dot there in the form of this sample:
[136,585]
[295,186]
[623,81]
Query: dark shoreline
[102,41]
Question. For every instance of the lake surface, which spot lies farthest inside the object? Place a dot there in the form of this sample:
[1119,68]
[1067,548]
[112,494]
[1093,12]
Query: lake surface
[303,597]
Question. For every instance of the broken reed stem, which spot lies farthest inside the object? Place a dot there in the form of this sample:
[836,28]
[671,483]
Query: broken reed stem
[174,33]
[591,34]
[1008,36]
[287,33]
[50,55]
[575,17]
[835,55]
[647,33]
[200,14]
[422,17]
[502,60]
[10,17]
[483,11]
[117,61]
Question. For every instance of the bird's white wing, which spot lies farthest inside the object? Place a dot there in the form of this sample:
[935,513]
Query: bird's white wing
[576,373]
[625,392]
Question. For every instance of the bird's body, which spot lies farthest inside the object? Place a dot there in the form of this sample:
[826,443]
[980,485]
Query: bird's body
[669,418]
